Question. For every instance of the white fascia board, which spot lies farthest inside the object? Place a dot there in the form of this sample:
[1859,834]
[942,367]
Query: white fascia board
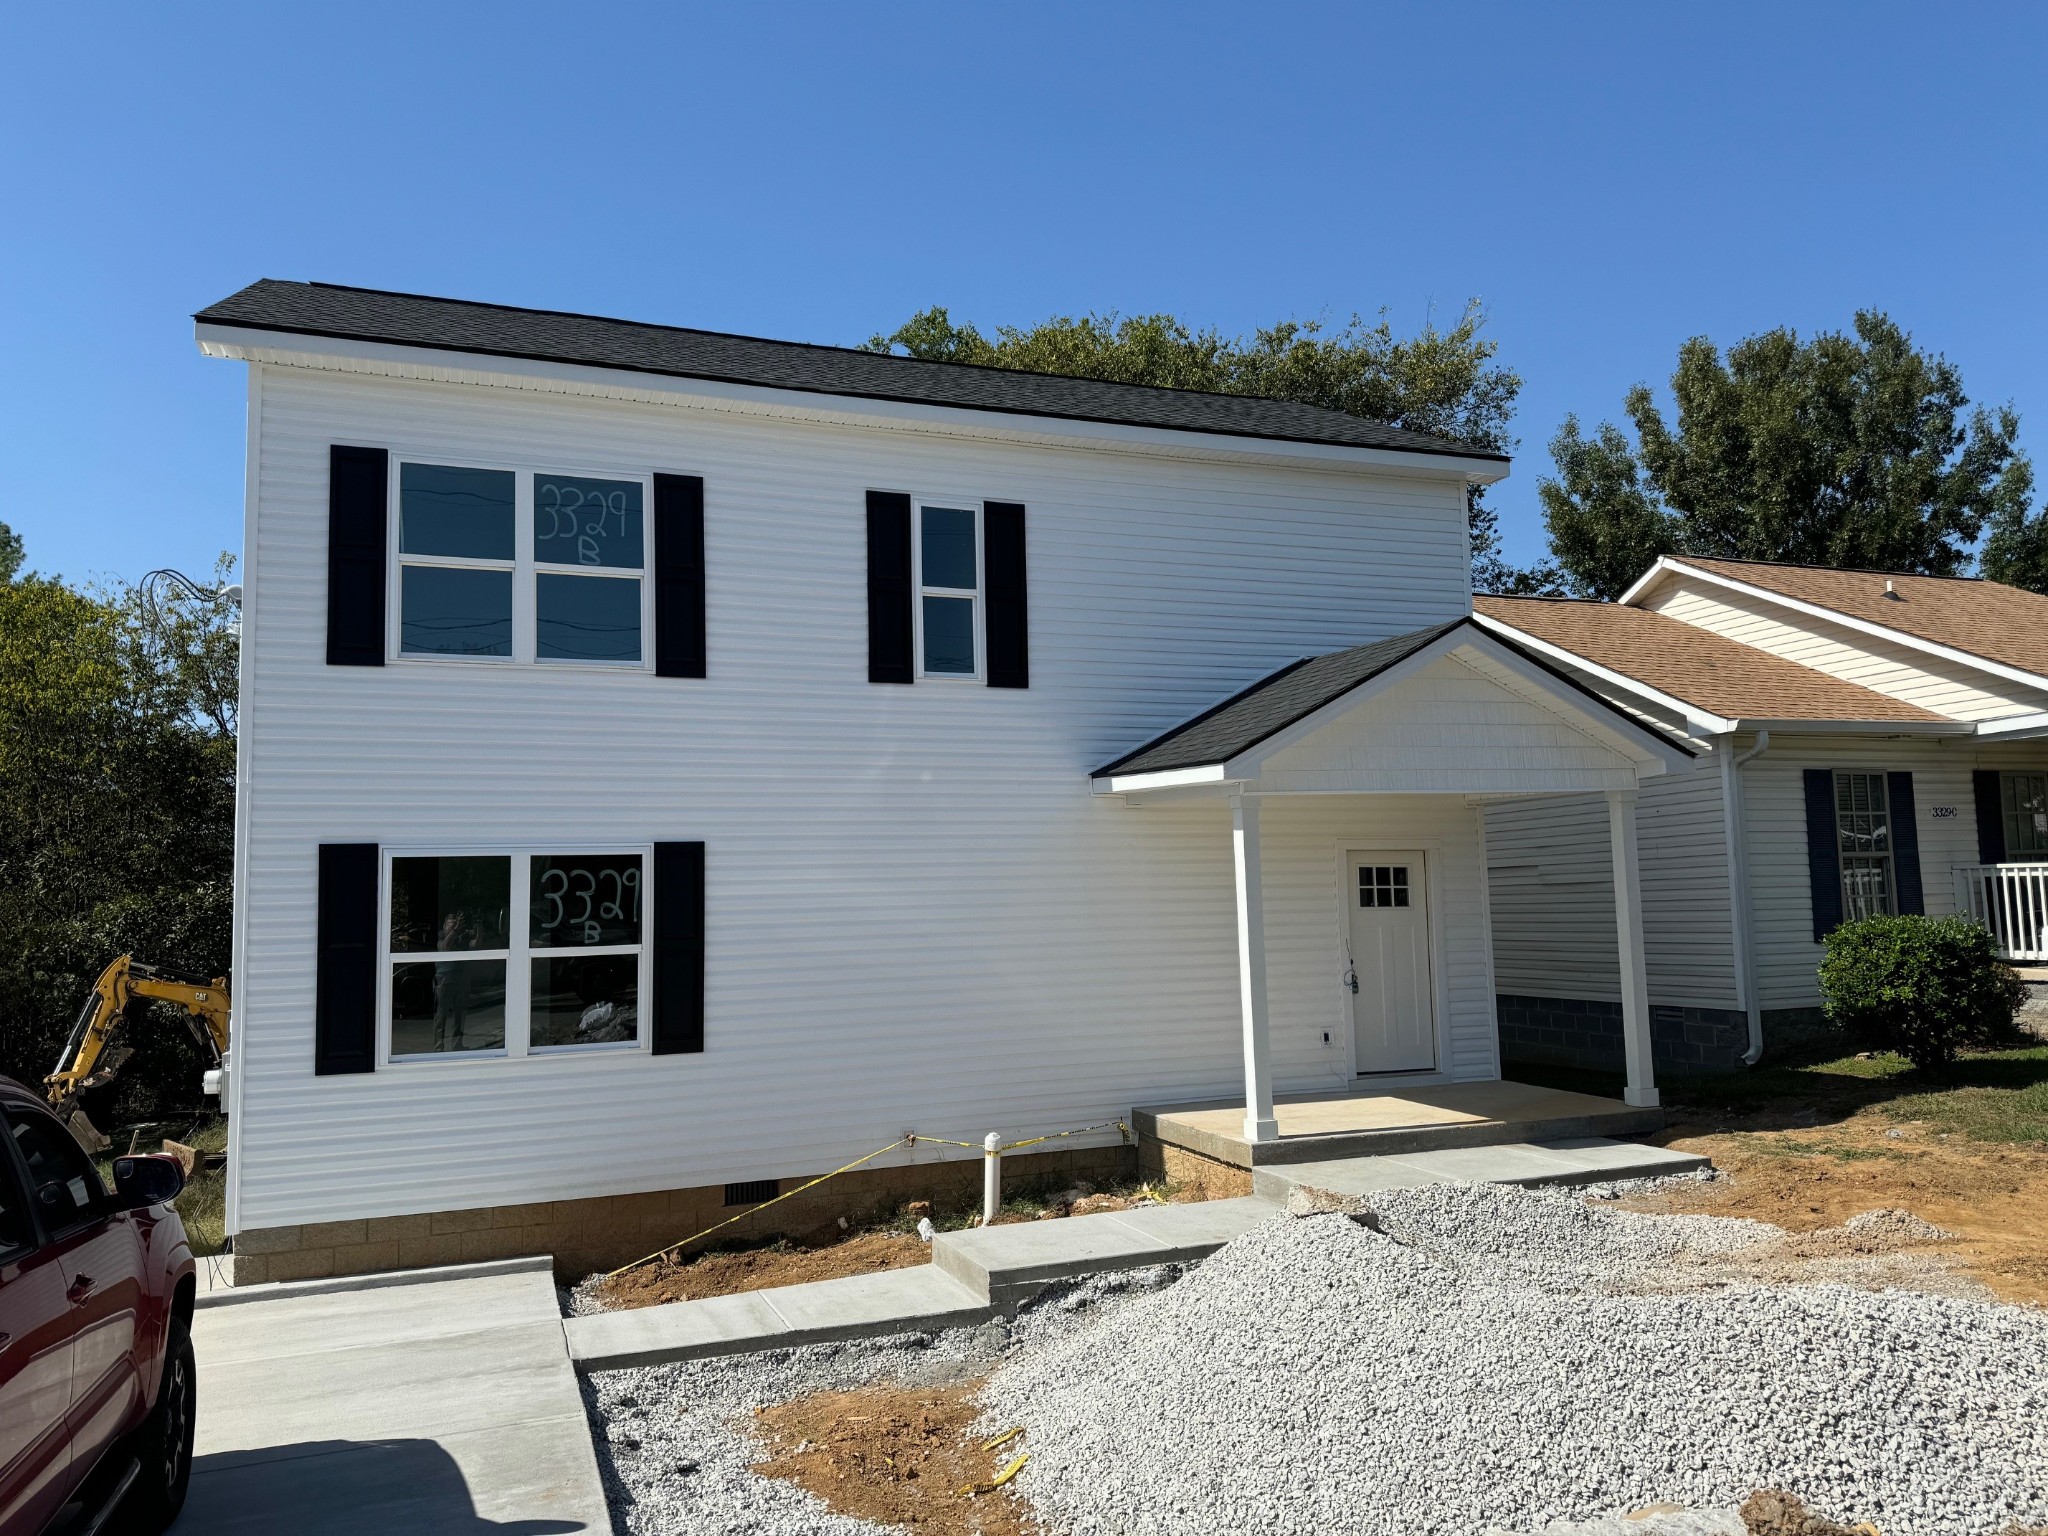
[1667,565]
[436,365]
[1704,721]
[2013,728]
[1899,728]
[1171,778]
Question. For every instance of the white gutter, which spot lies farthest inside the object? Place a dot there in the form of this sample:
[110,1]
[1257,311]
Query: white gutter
[2013,728]
[1739,924]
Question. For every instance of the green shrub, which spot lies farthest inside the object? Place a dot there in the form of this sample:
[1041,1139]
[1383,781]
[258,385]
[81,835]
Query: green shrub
[1926,987]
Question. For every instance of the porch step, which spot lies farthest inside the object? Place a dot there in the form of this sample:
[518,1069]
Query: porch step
[1579,1160]
[1009,1264]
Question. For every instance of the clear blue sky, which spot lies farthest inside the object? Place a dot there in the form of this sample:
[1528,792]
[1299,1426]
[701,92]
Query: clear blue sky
[1608,179]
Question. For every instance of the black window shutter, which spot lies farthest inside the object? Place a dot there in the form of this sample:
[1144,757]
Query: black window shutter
[358,485]
[678,948]
[345,982]
[889,595]
[1989,795]
[1823,852]
[678,576]
[1007,621]
[1898,803]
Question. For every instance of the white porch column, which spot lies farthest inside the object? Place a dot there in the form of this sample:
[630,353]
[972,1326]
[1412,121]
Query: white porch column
[1259,1124]
[1628,934]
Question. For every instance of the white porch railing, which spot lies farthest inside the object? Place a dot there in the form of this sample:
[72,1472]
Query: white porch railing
[2012,901]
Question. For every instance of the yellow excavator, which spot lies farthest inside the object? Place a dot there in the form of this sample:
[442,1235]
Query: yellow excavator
[93,1054]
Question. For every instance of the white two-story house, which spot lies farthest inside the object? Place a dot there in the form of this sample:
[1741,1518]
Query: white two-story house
[673,764]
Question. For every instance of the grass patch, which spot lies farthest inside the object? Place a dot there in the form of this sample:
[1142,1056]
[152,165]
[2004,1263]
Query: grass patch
[203,1204]
[1992,1096]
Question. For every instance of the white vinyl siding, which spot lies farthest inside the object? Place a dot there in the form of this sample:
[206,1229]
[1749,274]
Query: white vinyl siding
[1552,878]
[918,916]
[1884,666]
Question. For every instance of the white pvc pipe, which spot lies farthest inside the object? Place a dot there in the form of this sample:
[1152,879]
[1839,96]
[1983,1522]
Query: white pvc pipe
[991,1178]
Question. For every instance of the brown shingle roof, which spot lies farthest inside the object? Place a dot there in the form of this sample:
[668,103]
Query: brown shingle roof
[1706,670]
[1985,618]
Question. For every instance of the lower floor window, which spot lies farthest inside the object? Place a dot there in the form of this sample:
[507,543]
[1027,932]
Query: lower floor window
[513,954]
[2024,803]
[1864,839]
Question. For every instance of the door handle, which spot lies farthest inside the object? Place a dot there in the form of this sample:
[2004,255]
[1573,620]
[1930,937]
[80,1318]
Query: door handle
[80,1291]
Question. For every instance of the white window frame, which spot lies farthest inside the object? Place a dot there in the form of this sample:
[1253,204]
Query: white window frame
[520,954]
[974,505]
[2013,852]
[525,569]
[1853,906]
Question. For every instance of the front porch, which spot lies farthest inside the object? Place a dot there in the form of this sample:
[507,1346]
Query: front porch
[1376,1120]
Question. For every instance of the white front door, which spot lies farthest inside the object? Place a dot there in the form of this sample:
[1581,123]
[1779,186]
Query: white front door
[1393,1012]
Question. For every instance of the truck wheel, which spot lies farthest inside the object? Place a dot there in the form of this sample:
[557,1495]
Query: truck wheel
[164,1444]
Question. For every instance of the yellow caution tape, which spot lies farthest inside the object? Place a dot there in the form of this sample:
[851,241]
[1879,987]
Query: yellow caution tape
[1003,1439]
[1001,1477]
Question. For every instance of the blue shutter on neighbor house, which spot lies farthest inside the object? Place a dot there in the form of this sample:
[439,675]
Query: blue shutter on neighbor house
[358,487]
[1988,793]
[678,948]
[1823,852]
[1006,622]
[678,576]
[345,964]
[890,626]
[1898,803]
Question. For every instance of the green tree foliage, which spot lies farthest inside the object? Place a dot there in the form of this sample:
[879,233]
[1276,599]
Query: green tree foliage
[117,750]
[1843,450]
[1445,382]
[1926,987]
[10,553]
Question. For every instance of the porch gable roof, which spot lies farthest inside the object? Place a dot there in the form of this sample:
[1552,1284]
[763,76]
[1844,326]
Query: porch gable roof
[1303,688]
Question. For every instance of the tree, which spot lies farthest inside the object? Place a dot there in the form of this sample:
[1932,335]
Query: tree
[10,553]
[117,750]
[2016,550]
[1851,451]
[1443,382]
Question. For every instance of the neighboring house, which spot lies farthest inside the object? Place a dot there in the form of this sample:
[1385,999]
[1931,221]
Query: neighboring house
[675,763]
[1882,742]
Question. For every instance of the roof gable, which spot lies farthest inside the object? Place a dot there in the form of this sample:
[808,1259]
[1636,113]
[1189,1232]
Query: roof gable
[1696,666]
[454,325]
[1985,620]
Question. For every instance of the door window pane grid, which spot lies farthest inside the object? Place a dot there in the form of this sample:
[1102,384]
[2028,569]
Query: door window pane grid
[1864,845]
[1383,885]
[464,979]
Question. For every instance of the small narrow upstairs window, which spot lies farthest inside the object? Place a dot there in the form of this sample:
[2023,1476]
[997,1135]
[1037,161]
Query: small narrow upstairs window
[456,548]
[1864,837]
[949,591]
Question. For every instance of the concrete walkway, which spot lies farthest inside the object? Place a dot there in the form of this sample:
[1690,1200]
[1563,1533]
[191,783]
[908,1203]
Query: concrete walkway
[977,1273]
[441,1407]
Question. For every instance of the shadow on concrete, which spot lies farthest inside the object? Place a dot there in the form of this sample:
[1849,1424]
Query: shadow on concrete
[316,1487]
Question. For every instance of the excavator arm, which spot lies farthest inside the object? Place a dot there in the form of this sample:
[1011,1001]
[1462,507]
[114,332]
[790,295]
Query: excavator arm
[93,1056]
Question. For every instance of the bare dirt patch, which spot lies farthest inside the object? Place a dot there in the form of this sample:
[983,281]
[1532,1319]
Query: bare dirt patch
[904,1456]
[1992,1198]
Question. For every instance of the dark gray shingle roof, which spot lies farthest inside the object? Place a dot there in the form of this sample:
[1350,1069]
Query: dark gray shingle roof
[455,325]
[1271,705]
[1301,688]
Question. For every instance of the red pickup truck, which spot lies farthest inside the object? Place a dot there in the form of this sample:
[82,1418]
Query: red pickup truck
[97,1389]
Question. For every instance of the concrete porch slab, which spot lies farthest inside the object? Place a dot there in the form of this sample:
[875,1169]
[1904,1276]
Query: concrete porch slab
[1009,1264]
[1592,1160]
[1378,1121]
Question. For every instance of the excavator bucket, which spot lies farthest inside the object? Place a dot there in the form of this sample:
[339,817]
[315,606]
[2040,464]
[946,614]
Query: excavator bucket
[83,1131]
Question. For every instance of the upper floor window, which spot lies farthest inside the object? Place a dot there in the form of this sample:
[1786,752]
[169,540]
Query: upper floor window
[2023,798]
[949,619]
[507,564]
[1864,838]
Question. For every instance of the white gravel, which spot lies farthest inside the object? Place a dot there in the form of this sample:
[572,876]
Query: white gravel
[1488,1359]
[1508,1358]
